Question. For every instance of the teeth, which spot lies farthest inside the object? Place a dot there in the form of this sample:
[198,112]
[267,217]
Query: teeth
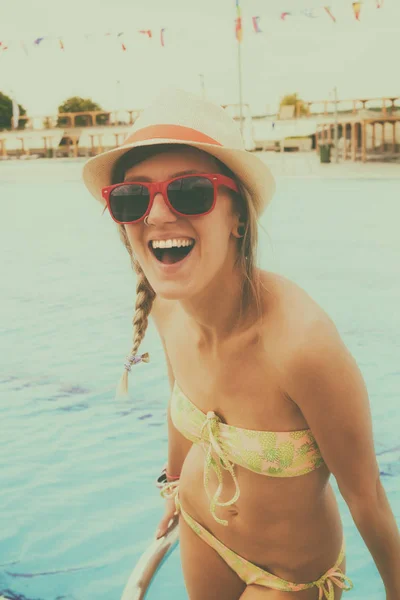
[177,243]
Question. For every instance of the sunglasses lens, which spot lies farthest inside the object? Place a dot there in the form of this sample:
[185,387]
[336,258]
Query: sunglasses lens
[129,202]
[191,195]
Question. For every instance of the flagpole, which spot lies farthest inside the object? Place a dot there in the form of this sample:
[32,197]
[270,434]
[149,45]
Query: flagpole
[336,126]
[203,87]
[239,39]
[240,88]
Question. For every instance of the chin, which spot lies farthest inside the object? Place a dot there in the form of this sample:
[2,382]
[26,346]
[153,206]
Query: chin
[172,290]
[179,288]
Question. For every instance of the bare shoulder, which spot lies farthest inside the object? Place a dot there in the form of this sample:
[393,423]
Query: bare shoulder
[312,347]
[301,333]
[317,367]
[294,311]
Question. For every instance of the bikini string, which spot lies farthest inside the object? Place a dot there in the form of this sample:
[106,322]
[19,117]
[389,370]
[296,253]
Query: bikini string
[211,425]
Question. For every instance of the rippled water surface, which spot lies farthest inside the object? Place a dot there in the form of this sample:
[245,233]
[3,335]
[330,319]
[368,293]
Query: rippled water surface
[78,503]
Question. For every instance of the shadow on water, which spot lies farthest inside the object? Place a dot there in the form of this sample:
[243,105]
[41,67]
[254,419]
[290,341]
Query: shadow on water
[55,572]
[390,465]
[9,595]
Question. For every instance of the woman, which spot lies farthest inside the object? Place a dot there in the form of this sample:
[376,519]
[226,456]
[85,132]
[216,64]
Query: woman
[266,400]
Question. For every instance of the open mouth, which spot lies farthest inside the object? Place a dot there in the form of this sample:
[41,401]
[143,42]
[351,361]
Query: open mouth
[170,256]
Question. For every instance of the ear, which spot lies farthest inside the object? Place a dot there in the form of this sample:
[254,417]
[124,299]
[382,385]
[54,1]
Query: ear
[239,229]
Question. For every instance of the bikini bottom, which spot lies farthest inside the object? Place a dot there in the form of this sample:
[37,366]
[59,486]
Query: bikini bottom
[252,574]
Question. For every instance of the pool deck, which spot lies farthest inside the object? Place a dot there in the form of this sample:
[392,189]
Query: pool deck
[293,164]
[307,164]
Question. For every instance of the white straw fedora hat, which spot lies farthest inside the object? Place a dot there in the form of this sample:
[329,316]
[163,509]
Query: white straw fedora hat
[178,117]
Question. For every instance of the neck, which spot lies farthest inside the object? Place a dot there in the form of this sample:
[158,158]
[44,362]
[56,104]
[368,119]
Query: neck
[215,313]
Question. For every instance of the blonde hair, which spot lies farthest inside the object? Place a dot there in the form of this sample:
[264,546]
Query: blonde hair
[144,301]
[246,259]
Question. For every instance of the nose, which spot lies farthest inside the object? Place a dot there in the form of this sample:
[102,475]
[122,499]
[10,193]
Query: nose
[160,212]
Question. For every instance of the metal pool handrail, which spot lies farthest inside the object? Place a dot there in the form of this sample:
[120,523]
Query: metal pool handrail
[150,562]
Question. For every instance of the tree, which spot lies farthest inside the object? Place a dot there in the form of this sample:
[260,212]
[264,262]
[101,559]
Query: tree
[6,113]
[77,104]
[293,100]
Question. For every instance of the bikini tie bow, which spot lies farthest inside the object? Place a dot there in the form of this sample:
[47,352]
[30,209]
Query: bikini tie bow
[209,434]
[334,575]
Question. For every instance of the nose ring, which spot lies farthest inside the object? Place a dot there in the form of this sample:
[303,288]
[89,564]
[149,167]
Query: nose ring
[146,220]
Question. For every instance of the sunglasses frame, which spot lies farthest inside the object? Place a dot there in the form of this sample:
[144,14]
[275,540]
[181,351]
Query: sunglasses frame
[161,187]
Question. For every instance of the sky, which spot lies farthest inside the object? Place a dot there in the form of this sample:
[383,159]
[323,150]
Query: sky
[309,55]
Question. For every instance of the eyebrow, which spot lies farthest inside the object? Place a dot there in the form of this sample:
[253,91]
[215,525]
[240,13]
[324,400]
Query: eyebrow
[178,174]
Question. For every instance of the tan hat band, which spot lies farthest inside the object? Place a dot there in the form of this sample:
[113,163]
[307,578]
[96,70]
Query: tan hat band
[170,132]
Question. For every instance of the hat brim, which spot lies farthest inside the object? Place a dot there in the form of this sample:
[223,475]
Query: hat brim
[251,171]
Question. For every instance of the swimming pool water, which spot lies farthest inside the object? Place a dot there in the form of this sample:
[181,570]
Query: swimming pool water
[78,504]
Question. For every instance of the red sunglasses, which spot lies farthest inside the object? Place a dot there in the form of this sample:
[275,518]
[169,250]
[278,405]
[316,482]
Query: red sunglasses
[187,195]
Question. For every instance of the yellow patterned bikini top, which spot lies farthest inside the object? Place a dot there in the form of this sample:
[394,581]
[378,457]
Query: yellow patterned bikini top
[274,453]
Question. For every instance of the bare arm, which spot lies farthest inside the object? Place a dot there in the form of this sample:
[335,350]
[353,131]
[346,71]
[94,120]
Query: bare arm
[327,385]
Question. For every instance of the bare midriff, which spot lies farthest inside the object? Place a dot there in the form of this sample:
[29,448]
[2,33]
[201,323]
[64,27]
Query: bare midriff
[289,526]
